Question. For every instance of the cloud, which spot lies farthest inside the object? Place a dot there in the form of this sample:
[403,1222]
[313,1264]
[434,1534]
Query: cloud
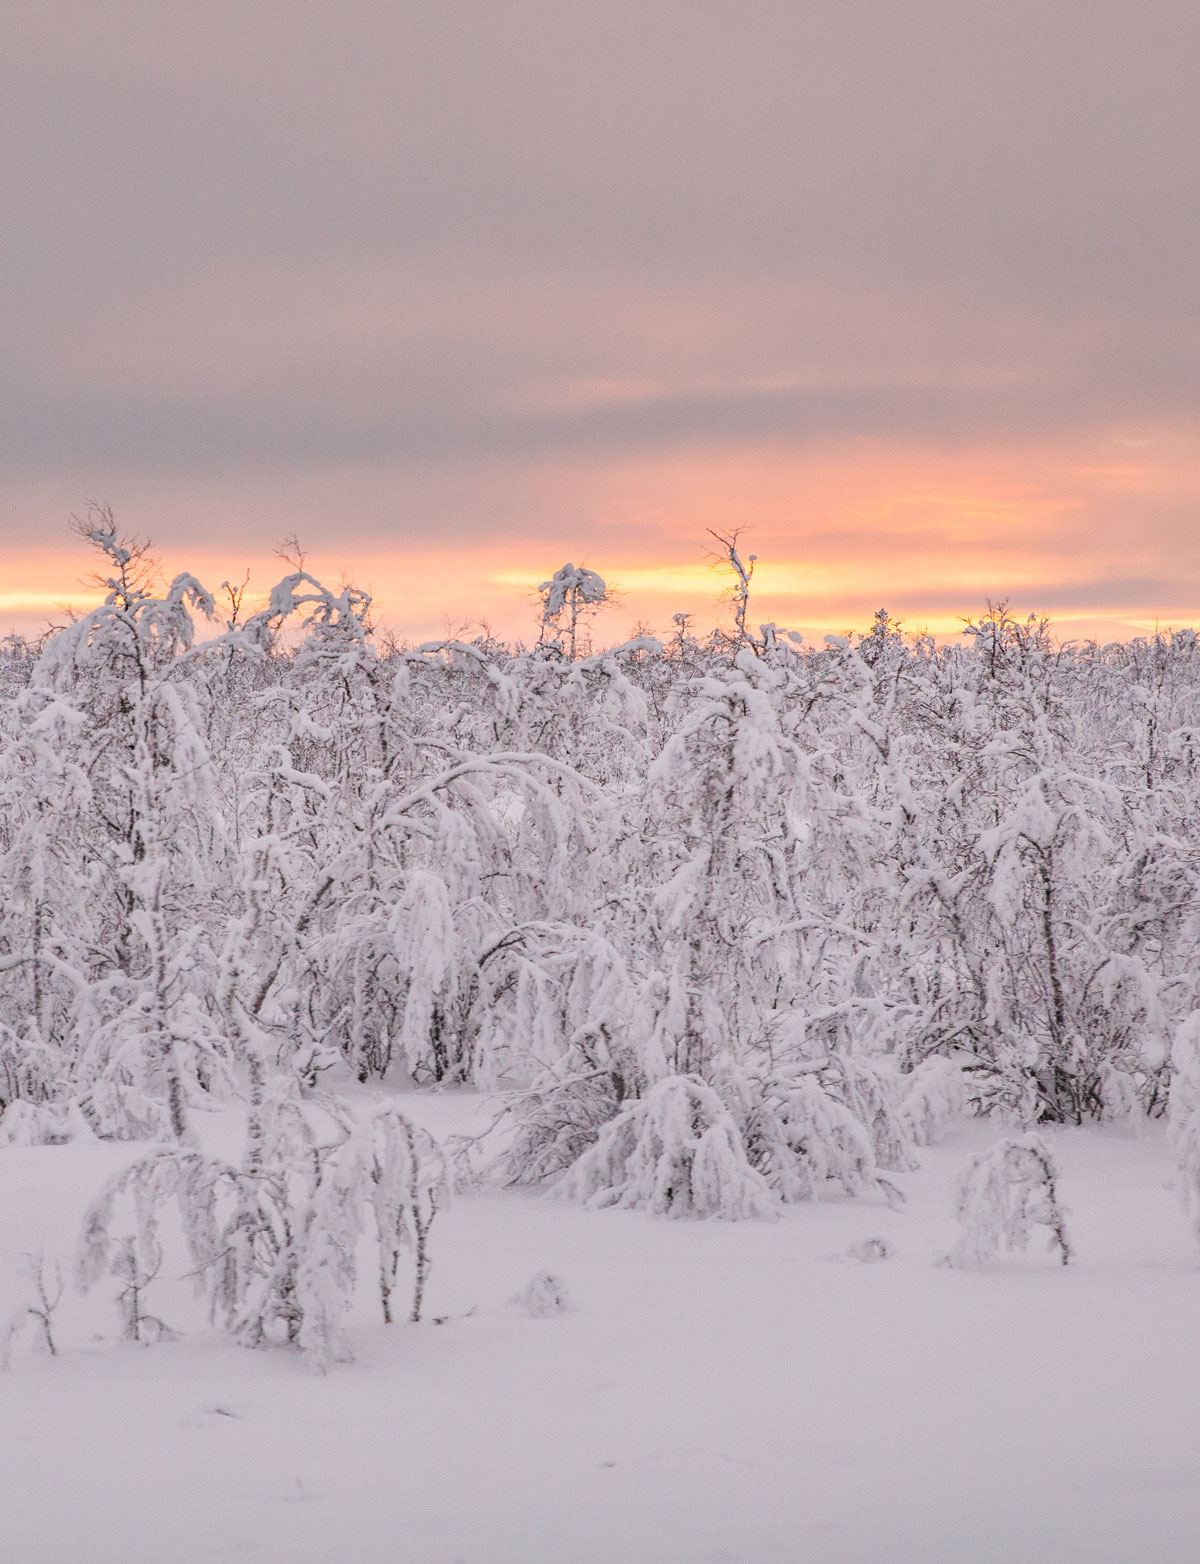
[349,367]
[880,280]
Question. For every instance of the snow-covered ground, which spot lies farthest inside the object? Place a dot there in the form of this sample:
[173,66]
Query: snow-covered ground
[718,1392]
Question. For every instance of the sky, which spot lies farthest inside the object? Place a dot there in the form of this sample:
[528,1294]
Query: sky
[907,290]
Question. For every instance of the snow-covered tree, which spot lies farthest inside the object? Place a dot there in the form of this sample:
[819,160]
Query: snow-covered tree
[572,594]
[1004,1192]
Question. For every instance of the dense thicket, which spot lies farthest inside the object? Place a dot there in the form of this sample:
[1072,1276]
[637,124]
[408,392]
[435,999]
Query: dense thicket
[732,918]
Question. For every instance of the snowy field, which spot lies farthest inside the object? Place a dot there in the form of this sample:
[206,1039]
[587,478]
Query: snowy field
[718,1391]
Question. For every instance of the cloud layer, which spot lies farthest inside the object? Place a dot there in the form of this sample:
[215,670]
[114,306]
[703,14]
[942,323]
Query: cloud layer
[908,287]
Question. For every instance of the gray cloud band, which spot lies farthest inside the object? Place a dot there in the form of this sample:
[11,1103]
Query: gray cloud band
[930,223]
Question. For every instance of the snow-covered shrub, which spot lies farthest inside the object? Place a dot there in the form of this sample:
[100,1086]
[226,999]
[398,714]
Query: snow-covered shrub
[389,1178]
[1006,1190]
[240,1230]
[135,1265]
[931,1096]
[557,1123]
[44,1287]
[869,1092]
[43,1124]
[274,1245]
[802,1137]
[408,1184]
[676,1151]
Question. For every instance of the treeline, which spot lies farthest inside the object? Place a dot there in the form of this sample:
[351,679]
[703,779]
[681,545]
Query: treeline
[730,918]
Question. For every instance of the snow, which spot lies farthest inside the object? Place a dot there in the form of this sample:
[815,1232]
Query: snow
[714,1391]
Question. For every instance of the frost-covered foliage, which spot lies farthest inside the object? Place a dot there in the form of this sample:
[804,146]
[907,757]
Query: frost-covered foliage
[274,1244]
[1004,1192]
[806,1130]
[676,1152]
[33,1317]
[572,593]
[933,1096]
[847,891]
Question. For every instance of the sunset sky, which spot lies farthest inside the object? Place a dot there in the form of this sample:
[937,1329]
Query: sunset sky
[909,290]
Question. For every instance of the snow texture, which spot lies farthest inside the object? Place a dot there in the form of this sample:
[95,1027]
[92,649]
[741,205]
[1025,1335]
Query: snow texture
[736,1390]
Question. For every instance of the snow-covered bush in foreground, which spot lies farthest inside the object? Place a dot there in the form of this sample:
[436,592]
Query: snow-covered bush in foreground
[801,1135]
[1006,1190]
[274,1244]
[44,1286]
[677,1152]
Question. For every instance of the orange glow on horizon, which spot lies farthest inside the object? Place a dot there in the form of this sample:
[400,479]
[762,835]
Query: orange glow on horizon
[932,536]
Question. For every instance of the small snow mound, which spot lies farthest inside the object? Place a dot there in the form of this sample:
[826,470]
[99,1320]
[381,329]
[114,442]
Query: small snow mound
[545,1294]
[870,1250]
